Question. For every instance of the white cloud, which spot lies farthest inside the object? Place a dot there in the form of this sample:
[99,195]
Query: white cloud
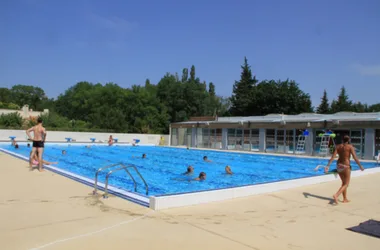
[111,32]
[367,70]
[114,24]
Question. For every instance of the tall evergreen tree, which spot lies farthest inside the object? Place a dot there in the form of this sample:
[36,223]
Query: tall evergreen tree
[192,73]
[324,107]
[147,83]
[343,103]
[243,92]
[185,75]
[211,89]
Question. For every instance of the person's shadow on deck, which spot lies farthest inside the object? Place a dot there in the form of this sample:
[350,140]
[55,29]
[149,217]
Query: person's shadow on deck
[331,200]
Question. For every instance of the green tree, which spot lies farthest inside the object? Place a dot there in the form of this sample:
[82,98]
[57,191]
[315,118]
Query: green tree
[374,108]
[243,96]
[77,101]
[192,73]
[211,89]
[324,107]
[24,94]
[5,95]
[147,115]
[359,107]
[342,103]
[185,75]
[281,97]
[147,83]
[171,94]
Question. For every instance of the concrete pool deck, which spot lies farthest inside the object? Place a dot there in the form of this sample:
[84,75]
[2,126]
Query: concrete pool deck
[48,211]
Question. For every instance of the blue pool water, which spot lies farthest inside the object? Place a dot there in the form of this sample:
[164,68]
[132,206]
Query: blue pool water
[164,167]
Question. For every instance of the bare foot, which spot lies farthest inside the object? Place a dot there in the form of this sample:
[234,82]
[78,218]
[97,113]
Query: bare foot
[41,170]
[346,201]
[335,199]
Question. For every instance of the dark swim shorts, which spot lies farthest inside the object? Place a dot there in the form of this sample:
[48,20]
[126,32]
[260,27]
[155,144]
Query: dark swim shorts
[38,144]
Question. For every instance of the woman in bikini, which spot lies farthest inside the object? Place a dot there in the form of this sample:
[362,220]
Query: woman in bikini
[35,161]
[344,151]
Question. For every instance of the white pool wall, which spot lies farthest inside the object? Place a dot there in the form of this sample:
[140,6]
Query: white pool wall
[59,136]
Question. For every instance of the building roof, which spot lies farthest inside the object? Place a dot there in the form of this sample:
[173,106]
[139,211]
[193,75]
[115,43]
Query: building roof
[275,120]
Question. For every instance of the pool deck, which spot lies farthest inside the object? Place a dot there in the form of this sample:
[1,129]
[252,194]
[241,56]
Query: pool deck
[48,211]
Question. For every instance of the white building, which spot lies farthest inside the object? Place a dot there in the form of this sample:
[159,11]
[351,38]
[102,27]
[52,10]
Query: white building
[278,133]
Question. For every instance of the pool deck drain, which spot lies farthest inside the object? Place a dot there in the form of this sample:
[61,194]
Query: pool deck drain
[48,211]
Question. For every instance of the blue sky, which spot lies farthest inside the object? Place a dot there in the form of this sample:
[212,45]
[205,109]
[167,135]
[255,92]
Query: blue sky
[320,44]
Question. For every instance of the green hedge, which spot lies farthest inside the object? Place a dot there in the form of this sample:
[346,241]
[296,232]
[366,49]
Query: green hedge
[4,105]
[13,120]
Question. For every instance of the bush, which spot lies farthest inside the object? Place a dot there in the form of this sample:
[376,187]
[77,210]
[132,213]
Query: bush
[53,120]
[12,120]
[4,105]
[81,130]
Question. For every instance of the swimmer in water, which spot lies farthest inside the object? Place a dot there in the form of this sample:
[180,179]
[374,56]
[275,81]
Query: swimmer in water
[63,152]
[206,159]
[190,170]
[228,170]
[201,177]
[143,156]
[110,141]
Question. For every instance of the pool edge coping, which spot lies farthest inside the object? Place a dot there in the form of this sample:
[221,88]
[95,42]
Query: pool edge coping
[263,153]
[200,197]
[141,200]
[196,198]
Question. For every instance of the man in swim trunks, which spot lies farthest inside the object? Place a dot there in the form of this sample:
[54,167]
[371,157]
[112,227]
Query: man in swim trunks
[39,137]
[344,151]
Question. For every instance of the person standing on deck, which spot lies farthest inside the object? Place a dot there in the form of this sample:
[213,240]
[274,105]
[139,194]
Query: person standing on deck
[344,151]
[39,138]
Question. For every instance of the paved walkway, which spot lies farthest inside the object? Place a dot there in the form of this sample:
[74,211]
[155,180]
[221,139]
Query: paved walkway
[48,211]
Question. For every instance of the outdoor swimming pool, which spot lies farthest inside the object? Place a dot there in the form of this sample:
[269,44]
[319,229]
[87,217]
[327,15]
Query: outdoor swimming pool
[164,167]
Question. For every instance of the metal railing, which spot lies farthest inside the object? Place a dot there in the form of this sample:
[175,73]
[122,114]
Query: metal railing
[122,167]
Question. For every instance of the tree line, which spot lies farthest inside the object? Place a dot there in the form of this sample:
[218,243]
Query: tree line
[150,108]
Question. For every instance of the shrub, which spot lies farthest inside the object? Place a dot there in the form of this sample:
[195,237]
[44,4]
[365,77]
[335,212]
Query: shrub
[11,120]
[4,105]
[53,120]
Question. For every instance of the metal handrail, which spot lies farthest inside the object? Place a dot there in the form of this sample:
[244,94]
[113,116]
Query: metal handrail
[125,167]
[97,173]
[142,178]
[114,170]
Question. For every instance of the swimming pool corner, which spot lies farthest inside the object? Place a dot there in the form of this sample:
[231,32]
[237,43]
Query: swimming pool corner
[195,198]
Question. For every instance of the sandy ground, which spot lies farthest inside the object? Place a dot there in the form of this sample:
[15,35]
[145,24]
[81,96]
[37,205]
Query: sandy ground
[48,211]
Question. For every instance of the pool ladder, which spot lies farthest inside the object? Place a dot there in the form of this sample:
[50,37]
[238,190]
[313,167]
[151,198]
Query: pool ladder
[122,167]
